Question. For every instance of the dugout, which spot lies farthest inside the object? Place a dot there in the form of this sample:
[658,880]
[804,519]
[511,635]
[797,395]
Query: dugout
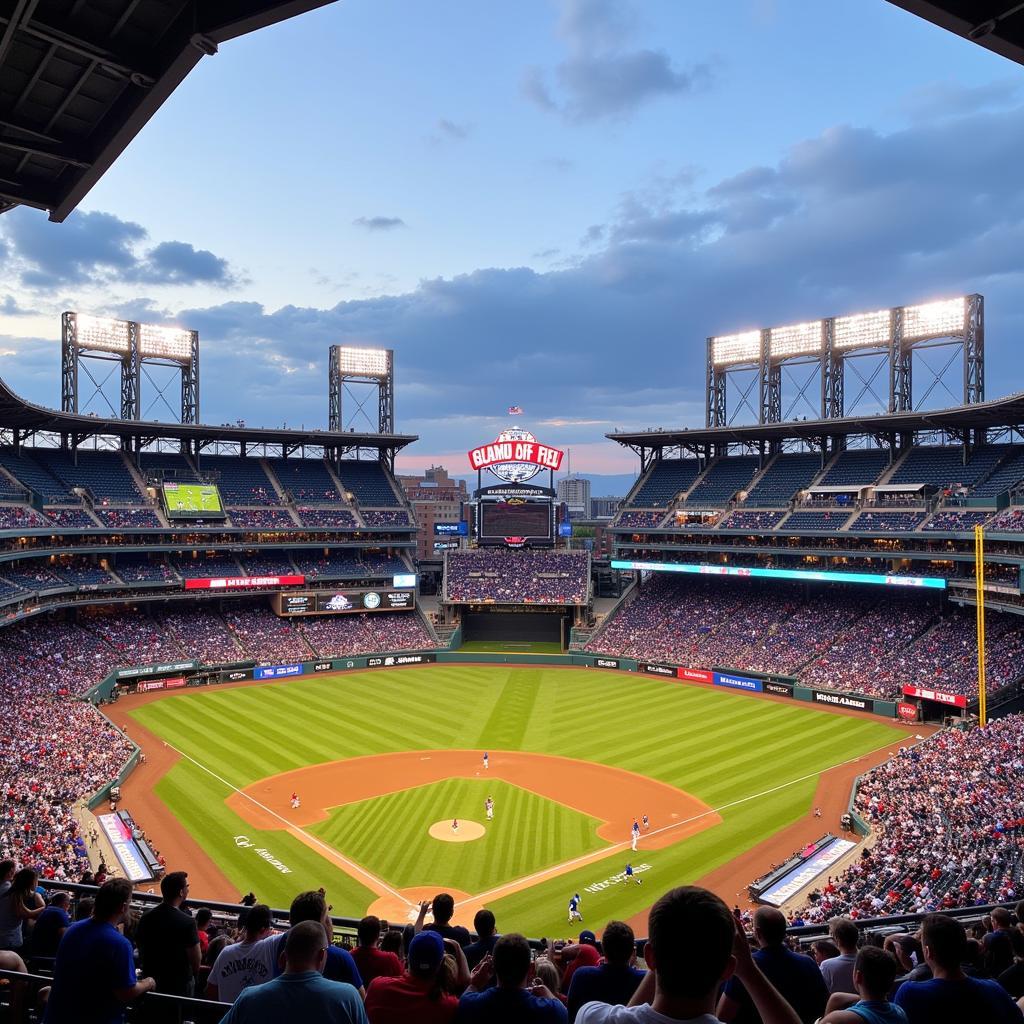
[504,625]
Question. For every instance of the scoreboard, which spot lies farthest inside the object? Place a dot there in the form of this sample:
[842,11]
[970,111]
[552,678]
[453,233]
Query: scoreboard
[521,521]
[342,602]
[192,501]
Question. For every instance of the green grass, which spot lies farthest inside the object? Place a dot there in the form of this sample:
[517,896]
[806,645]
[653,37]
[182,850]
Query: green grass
[404,860]
[510,647]
[722,747]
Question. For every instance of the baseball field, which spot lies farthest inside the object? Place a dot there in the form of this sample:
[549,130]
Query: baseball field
[383,763]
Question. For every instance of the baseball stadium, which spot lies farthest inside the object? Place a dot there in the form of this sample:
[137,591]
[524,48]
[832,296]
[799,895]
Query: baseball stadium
[790,673]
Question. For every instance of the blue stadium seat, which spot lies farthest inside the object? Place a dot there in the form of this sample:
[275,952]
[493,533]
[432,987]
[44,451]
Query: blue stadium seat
[241,480]
[944,466]
[35,477]
[856,467]
[787,474]
[725,477]
[368,482]
[307,480]
[103,474]
[667,478]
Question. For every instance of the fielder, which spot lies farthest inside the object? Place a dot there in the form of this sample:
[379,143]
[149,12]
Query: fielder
[489,809]
[630,877]
[635,835]
[295,801]
[647,822]
[574,908]
[455,824]
[487,761]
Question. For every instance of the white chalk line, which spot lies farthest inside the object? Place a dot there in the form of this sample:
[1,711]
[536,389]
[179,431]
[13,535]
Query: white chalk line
[311,839]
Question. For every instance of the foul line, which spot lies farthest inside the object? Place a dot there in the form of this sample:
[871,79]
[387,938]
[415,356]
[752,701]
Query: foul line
[290,826]
[559,869]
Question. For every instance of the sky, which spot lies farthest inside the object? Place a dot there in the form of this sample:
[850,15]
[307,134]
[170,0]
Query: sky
[548,204]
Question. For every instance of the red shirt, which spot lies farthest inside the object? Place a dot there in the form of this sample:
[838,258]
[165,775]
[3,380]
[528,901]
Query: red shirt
[375,963]
[404,999]
[588,956]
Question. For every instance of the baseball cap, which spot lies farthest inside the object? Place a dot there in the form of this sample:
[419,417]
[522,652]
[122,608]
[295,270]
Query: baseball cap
[426,951]
[587,937]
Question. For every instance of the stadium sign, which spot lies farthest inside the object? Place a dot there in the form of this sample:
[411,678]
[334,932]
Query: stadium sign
[806,872]
[908,712]
[323,666]
[953,699]
[277,671]
[842,700]
[738,682]
[696,675]
[606,662]
[658,670]
[240,582]
[780,689]
[157,670]
[515,456]
[394,660]
[460,529]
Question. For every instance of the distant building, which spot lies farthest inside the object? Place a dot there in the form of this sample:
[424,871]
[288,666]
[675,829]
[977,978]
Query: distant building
[575,492]
[604,508]
[436,498]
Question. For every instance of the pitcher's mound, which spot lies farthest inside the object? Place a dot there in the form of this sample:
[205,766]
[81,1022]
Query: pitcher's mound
[468,831]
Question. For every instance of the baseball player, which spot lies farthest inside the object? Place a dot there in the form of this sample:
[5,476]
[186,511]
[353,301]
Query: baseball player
[455,824]
[487,761]
[630,877]
[295,801]
[646,821]
[574,908]
[489,809]
[635,835]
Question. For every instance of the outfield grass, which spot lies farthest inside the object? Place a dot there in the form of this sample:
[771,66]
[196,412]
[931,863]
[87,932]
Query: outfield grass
[385,834]
[510,647]
[722,747]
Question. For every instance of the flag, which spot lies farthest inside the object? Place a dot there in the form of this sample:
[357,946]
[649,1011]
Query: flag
[515,410]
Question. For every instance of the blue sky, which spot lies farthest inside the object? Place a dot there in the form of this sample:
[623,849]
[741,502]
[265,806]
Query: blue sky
[548,204]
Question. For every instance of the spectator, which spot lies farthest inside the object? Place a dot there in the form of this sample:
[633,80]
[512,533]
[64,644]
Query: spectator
[301,993]
[19,905]
[694,944]
[7,869]
[51,925]
[168,942]
[795,976]
[517,997]
[1012,979]
[615,980]
[577,955]
[950,997]
[873,974]
[484,924]
[236,968]
[94,974]
[418,994]
[371,961]
[838,972]
[443,908]
[823,949]
[204,915]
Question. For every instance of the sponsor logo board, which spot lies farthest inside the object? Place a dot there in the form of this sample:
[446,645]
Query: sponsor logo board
[323,666]
[804,874]
[659,670]
[738,682]
[781,689]
[241,582]
[908,712]
[606,662]
[515,456]
[953,699]
[394,660]
[696,675]
[842,700]
[277,671]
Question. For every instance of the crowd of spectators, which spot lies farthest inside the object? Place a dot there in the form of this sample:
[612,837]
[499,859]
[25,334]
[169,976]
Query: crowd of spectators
[327,518]
[256,518]
[20,517]
[267,638]
[128,518]
[338,565]
[71,518]
[202,634]
[637,518]
[338,636]
[1010,520]
[135,638]
[377,517]
[756,520]
[518,577]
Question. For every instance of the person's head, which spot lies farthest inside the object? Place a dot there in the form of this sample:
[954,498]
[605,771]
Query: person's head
[60,900]
[443,906]
[618,943]
[689,945]
[1001,918]
[512,959]
[308,906]
[174,887]
[368,930]
[257,921]
[112,900]
[24,881]
[426,951]
[484,923]
[588,938]
[844,933]
[823,949]
[874,972]
[204,915]
[7,869]
[305,948]
[944,940]
[391,942]
[548,973]
[769,927]
[85,908]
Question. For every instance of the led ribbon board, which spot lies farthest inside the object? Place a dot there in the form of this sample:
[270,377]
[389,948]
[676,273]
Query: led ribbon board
[932,582]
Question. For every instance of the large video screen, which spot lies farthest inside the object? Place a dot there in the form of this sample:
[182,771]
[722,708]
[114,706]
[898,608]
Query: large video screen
[192,501]
[342,602]
[936,582]
[531,519]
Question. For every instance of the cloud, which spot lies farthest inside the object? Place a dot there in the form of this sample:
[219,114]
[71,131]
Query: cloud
[452,130]
[379,223]
[101,248]
[944,99]
[599,76]
[11,307]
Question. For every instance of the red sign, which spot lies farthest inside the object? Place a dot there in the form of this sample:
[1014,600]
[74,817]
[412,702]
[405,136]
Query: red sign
[238,582]
[515,456]
[697,675]
[955,699]
[907,711]
[174,683]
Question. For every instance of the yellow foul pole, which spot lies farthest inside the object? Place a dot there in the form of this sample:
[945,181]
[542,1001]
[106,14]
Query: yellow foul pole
[979,595]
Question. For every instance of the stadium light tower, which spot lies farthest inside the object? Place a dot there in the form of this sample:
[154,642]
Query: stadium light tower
[889,338]
[88,339]
[358,374]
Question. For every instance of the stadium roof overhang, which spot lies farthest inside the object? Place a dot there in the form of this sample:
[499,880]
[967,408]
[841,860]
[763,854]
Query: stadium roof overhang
[998,25]
[1006,413]
[78,82]
[25,419]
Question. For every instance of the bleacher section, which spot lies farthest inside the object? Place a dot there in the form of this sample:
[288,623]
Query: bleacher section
[143,569]
[1007,475]
[307,481]
[70,517]
[328,518]
[887,522]
[207,566]
[667,478]
[341,566]
[104,474]
[752,519]
[722,481]
[128,518]
[385,517]
[20,517]
[28,472]
[261,518]
[943,466]
[517,577]
[957,519]
[856,467]
[367,482]
[638,519]
[242,481]
[168,466]
[783,478]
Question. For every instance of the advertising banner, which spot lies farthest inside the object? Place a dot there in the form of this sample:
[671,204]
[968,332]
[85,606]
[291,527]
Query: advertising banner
[606,662]
[323,666]
[236,675]
[125,850]
[460,529]
[955,700]
[658,670]
[277,671]
[843,700]
[738,682]
[696,675]
[157,670]
[908,712]
[804,874]
[394,660]
[242,582]
[780,689]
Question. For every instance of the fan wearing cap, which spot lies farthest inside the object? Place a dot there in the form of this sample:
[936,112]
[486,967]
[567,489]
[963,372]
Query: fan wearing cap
[418,994]
[580,954]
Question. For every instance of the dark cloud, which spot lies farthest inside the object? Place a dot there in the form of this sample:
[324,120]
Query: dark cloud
[100,248]
[11,307]
[453,130]
[600,77]
[379,223]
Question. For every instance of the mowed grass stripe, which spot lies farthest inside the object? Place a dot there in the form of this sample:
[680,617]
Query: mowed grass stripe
[719,746]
